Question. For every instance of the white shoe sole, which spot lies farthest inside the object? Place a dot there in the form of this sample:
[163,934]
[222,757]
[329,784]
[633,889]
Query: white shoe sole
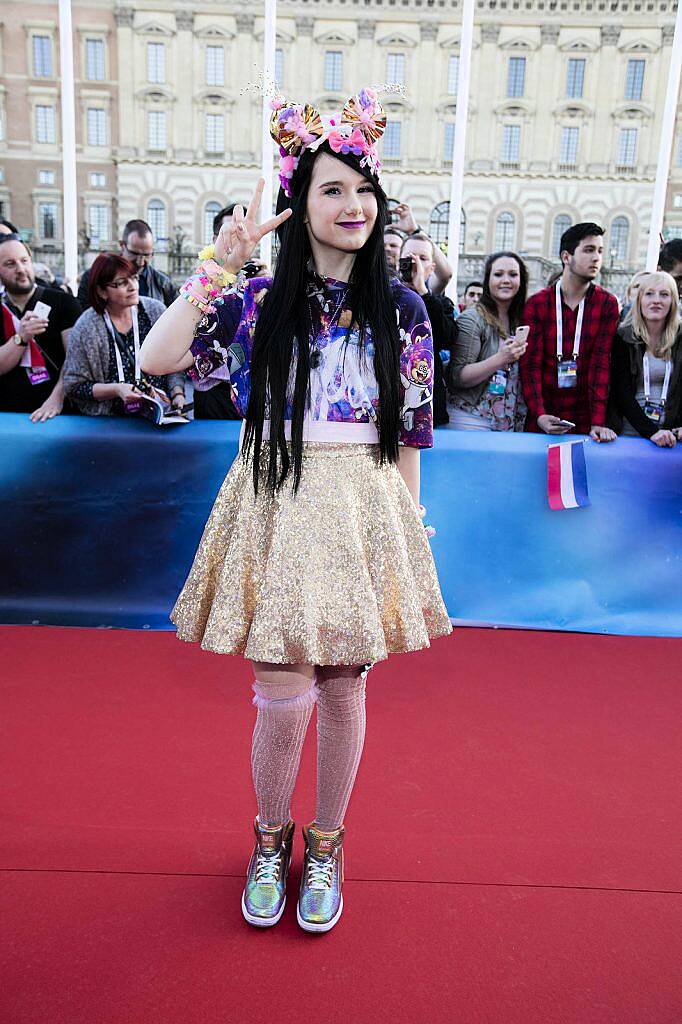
[262,922]
[309,926]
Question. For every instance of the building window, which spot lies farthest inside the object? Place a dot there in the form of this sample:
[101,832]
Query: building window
[516,76]
[97,127]
[620,235]
[679,152]
[279,66]
[94,60]
[156,63]
[511,143]
[453,73]
[568,154]
[505,229]
[561,223]
[627,147]
[211,210]
[333,70]
[46,130]
[575,78]
[98,223]
[395,69]
[449,141]
[215,65]
[634,79]
[47,220]
[46,177]
[156,129]
[215,133]
[438,224]
[392,140]
[42,57]
[97,180]
[156,218]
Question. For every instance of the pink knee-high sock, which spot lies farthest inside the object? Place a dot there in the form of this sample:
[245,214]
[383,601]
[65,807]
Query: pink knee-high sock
[340,738]
[281,724]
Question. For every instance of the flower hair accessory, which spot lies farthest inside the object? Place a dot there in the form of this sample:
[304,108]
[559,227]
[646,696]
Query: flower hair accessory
[297,127]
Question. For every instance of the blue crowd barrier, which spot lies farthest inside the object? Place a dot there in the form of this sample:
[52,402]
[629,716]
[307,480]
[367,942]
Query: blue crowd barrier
[101,519]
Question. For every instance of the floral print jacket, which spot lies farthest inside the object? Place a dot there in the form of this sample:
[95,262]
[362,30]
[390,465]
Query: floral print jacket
[343,387]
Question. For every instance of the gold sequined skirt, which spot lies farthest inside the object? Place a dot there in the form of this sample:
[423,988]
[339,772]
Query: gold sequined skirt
[340,573]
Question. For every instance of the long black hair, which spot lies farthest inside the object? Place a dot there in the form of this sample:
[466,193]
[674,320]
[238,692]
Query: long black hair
[285,320]
[487,303]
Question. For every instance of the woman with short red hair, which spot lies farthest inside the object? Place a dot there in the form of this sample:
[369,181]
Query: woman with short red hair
[103,364]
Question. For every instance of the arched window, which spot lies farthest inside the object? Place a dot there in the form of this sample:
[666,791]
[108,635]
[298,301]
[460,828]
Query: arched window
[561,223]
[210,211]
[156,217]
[620,234]
[438,225]
[505,230]
[440,222]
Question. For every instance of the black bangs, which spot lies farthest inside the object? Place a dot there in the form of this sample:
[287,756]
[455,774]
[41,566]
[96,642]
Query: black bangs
[285,319]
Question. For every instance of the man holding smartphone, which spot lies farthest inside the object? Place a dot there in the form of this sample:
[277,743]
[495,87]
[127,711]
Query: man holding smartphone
[566,369]
[32,355]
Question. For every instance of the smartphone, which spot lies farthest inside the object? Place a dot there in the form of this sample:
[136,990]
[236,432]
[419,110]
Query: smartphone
[521,333]
[406,269]
[42,310]
[566,423]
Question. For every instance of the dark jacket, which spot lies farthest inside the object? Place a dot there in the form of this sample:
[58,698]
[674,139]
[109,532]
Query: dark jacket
[444,330]
[160,287]
[627,373]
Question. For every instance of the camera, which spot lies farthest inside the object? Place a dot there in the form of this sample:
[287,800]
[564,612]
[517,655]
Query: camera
[251,269]
[406,268]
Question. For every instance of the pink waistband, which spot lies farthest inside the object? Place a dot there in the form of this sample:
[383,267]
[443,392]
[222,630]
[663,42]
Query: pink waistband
[324,431]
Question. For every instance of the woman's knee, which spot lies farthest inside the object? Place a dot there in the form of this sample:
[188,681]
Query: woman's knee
[283,682]
[341,680]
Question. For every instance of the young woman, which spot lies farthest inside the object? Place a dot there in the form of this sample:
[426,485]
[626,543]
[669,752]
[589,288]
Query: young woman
[102,360]
[646,364]
[485,393]
[314,563]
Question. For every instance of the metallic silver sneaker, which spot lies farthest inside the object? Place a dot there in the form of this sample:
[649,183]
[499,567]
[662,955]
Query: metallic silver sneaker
[320,902]
[265,893]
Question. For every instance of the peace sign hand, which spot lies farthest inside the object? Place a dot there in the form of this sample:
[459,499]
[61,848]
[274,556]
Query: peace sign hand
[237,241]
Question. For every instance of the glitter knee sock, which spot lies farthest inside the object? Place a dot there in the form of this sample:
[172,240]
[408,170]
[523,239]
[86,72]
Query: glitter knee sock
[284,711]
[340,738]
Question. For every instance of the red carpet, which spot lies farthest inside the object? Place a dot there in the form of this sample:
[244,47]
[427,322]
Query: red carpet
[533,781]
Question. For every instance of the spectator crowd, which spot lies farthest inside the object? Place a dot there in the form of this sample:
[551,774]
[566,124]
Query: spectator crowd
[568,359]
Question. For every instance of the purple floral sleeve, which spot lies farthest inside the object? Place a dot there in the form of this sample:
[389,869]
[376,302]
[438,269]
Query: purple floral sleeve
[416,371]
[213,338]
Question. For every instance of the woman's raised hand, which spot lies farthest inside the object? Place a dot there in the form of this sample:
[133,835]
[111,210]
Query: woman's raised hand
[237,241]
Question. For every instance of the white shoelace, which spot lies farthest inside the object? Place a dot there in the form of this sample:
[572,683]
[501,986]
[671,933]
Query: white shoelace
[320,873]
[267,868]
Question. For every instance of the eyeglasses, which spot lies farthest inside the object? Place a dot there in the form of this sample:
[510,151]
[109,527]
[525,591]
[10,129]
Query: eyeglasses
[139,255]
[122,282]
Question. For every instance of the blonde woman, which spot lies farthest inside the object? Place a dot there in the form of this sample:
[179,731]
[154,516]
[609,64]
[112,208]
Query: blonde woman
[646,364]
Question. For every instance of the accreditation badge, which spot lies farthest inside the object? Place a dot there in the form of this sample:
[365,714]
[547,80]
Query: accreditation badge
[567,373]
[654,410]
[497,384]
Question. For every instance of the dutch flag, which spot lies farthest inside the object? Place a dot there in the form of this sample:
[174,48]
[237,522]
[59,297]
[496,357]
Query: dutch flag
[567,476]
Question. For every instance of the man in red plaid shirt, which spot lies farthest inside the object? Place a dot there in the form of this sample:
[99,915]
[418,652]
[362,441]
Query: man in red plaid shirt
[566,381]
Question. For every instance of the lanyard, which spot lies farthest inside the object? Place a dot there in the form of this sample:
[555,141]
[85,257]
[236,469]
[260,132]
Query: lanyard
[666,382]
[560,326]
[136,345]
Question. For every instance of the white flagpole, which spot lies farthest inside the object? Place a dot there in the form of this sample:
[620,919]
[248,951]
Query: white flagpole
[68,108]
[665,145]
[267,143]
[457,181]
